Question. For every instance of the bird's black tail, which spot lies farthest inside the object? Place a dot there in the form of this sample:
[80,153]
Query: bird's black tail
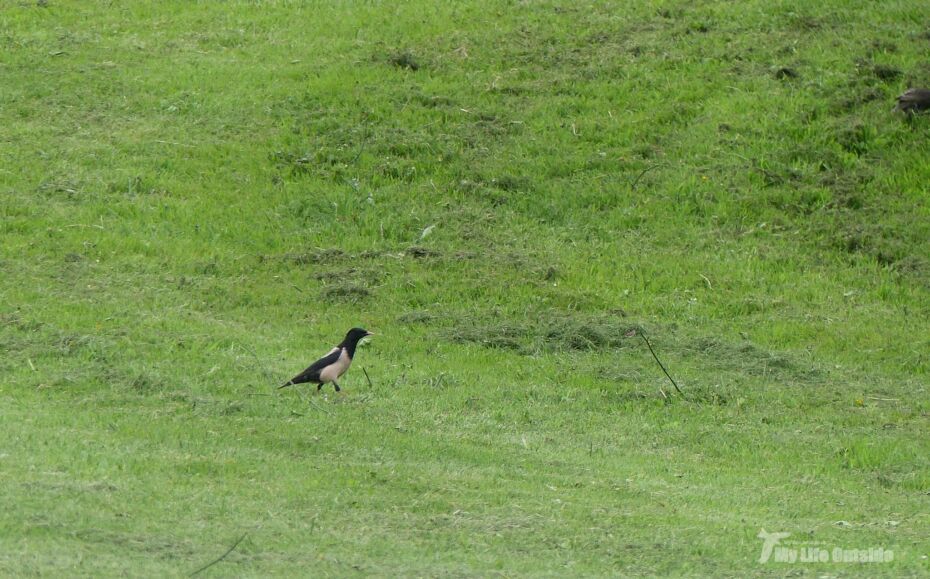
[286,384]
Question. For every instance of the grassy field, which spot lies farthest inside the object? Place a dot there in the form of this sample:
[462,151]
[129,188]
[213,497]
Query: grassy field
[198,199]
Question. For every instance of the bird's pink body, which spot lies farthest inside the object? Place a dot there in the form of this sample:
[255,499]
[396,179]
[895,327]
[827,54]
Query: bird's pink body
[336,369]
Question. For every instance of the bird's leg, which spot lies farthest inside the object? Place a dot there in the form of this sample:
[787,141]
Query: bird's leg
[319,386]
[336,384]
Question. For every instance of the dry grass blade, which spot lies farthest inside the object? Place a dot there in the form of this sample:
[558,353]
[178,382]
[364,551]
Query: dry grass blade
[221,557]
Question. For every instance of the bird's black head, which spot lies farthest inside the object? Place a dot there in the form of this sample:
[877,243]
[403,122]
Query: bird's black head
[352,339]
[355,334]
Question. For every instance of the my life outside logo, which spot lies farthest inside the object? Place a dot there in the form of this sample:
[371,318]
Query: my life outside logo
[774,551]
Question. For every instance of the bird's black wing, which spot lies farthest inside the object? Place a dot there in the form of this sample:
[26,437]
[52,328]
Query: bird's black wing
[312,373]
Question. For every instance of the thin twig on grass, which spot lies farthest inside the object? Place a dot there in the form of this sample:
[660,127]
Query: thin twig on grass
[221,557]
[884,399]
[361,149]
[672,380]
[643,172]
[368,377]
[653,352]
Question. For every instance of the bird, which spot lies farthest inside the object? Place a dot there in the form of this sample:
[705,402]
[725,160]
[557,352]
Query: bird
[914,100]
[333,365]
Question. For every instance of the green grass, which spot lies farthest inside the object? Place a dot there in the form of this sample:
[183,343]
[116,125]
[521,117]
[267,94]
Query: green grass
[198,199]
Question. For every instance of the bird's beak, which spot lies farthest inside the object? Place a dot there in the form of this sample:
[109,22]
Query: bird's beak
[369,334]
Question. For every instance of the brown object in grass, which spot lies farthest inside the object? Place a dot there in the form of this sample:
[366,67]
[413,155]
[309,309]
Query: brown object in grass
[914,100]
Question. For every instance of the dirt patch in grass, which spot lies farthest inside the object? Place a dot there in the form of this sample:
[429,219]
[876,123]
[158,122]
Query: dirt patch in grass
[432,101]
[334,256]
[709,396]
[749,358]
[346,293]
[886,73]
[563,332]
[500,336]
[153,545]
[855,97]
[555,332]
[416,317]
[419,252]
[358,276]
[870,82]
[61,189]
[856,136]
[335,274]
[889,244]
[786,73]
[14,319]
[495,190]
[143,381]
[329,255]
[849,190]
[404,59]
